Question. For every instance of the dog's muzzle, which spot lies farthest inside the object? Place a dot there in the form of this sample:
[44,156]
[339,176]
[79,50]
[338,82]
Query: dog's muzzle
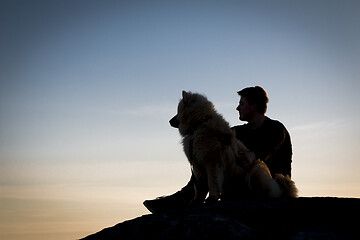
[174,122]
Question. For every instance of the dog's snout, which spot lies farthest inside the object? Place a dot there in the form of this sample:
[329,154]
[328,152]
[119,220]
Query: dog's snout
[174,122]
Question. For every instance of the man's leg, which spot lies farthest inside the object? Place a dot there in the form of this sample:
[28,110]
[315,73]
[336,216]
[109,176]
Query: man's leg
[175,202]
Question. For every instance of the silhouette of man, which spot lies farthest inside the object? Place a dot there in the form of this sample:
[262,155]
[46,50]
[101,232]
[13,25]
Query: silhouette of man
[267,139]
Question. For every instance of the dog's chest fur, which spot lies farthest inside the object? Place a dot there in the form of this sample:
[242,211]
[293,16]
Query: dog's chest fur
[188,145]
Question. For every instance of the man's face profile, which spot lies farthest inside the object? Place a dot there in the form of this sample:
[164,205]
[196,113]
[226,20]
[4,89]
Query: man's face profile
[245,110]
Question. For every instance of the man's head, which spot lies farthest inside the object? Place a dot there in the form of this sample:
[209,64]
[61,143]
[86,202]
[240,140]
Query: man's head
[253,101]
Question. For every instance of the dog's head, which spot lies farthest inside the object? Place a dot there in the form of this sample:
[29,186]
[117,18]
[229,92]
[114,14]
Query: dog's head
[193,109]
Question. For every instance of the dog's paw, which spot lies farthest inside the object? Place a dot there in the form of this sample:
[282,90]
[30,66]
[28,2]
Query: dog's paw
[211,200]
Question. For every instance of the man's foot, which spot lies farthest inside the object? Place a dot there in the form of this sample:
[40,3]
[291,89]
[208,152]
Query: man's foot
[166,204]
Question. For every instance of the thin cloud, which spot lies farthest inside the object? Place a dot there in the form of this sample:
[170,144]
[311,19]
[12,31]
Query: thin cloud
[316,126]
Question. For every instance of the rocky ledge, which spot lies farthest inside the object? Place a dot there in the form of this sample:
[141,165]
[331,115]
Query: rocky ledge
[300,218]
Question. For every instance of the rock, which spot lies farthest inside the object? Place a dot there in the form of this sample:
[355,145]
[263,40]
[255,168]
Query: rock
[295,218]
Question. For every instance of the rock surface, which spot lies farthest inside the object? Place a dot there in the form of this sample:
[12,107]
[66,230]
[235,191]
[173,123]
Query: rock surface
[300,218]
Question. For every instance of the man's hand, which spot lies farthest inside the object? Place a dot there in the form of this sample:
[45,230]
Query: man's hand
[246,159]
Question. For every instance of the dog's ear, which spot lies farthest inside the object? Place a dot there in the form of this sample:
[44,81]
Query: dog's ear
[186,97]
[184,94]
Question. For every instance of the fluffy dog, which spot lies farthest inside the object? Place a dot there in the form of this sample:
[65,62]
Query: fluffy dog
[212,149]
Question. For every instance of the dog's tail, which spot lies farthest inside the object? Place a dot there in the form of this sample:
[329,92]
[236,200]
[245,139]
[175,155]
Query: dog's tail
[287,185]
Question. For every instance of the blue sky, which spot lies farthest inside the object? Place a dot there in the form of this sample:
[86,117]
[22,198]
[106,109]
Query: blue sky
[87,89]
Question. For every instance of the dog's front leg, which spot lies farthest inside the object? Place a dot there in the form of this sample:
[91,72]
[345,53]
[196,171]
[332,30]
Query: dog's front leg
[215,176]
[201,186]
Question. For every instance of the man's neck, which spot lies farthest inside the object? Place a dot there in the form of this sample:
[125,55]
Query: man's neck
[257,121]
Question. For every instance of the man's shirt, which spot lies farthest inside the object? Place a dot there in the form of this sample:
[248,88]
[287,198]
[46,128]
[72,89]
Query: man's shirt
[271,143]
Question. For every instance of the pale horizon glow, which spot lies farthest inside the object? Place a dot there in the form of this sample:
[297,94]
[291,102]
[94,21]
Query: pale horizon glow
[87,89]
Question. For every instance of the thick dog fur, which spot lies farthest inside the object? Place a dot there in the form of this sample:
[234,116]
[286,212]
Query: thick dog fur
[211,148]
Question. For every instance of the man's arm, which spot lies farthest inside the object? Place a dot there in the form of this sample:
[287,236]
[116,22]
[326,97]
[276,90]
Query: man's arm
[246,159]
[267,145]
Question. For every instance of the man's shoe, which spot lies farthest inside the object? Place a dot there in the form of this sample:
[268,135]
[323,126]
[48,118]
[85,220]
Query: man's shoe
[172,203]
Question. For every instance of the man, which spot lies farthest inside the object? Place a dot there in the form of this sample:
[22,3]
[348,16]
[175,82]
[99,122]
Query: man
[267,139]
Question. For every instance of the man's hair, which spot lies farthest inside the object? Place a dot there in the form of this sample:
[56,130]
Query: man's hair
[255,95]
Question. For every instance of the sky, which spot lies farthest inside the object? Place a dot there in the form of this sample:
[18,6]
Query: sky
[87,89]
